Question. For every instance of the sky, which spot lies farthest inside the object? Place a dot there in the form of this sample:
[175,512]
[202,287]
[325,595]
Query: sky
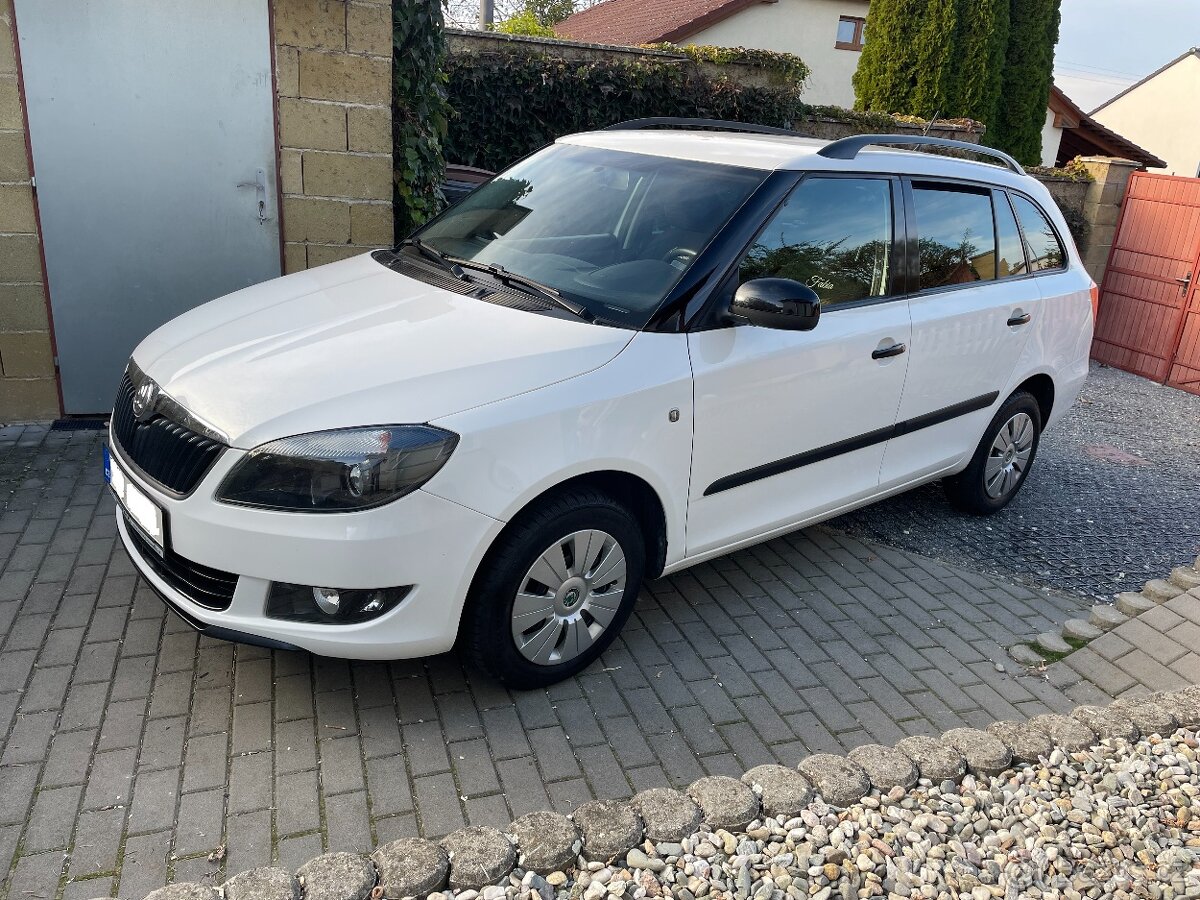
[1106,45]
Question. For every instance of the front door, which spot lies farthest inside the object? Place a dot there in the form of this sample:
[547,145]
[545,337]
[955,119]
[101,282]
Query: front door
[153,137]
[972,315]
[790,425]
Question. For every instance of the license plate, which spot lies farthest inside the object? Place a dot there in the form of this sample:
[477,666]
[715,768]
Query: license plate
[147,515]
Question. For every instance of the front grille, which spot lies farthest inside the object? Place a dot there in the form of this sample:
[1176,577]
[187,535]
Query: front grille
[165,451]
[210,588]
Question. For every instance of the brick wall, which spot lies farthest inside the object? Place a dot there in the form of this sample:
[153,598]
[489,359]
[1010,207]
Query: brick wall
[27,385]
[334,75]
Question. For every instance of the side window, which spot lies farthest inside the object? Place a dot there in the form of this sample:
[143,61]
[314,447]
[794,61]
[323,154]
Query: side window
[1045,249]
[832,234]
[1011,259]
[956,234]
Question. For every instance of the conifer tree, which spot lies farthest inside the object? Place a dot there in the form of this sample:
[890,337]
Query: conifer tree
[1028,75]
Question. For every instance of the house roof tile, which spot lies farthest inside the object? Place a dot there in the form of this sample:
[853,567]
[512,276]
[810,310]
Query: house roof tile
[634,22]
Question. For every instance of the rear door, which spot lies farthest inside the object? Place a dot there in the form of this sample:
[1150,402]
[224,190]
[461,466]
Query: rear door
[973,305]
[792,424]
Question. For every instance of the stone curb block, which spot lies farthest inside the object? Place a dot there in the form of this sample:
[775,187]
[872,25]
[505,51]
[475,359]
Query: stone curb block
[265,883]
[337,876]
[1160,590]
[609,827]
[1027,743]
[1107,723]
[984,753]
[839,781]
[726,802]
[547,841]
[1132,604]
[478,856]
[667,815]
[935,760]
[1150,717]
[1070,734]
[886,767]
[185,891]
[1185,578]
[410,867]
[782,791]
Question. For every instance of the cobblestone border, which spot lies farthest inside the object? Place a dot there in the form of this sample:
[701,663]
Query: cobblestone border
[549,846]
[1076,633]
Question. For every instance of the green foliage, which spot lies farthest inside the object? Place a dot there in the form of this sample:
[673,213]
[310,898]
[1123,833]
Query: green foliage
[981,42]
[787,67]
[885,80]
[987,60]
[508,104]
[1028,72]
[524,22]
[420,114]
[549,12]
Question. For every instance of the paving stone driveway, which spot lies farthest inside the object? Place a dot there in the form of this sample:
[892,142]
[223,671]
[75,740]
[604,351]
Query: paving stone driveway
[131,749]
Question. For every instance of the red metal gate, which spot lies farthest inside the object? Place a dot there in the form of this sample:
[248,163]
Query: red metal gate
[1149,320]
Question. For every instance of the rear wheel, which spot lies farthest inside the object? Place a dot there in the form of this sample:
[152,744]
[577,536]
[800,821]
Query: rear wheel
[555,590]
[1002,460]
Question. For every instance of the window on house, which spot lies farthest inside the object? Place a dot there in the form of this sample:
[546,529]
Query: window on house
[851,33]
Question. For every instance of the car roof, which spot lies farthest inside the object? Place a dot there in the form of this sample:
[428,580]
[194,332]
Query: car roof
[770,152]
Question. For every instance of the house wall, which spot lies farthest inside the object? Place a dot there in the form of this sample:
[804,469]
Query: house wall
[1051,140]
[333,61]
[1163,115]
[28,388]
[807,28]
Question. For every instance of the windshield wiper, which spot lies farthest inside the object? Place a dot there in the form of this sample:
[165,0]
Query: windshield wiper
[512,279]
[430,252]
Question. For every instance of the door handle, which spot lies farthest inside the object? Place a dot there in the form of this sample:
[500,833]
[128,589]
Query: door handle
[1022,319]
[1186,282]
[260,189]
[885,352]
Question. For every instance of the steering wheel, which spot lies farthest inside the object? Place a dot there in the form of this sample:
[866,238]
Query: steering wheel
[685,255]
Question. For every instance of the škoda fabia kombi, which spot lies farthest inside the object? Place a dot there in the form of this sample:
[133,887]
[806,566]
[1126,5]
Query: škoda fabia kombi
[636,350]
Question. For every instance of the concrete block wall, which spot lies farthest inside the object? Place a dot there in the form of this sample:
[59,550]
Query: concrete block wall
[1102,208]
[333,62]
[28,389]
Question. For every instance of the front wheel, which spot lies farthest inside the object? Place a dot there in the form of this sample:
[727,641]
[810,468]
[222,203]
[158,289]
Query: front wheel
[1002,460]
[555,590]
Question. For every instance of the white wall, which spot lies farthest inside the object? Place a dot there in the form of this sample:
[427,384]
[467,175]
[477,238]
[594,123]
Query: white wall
[1163,116]
[1051,139]
[807,28]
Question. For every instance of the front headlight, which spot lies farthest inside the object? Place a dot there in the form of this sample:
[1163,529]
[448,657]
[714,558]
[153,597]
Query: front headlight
[338,471]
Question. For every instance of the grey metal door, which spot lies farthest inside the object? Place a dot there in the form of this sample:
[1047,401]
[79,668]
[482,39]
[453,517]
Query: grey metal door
[153,134]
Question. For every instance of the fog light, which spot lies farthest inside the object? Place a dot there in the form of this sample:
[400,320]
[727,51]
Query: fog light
[328,600]
[331,606]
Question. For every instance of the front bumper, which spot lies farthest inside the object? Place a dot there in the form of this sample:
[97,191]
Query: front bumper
[421,540]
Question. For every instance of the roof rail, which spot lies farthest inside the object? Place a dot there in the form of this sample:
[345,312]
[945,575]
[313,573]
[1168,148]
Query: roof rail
[848,148]
[716,124]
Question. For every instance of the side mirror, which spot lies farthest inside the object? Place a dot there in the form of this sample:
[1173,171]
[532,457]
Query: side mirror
[777,303]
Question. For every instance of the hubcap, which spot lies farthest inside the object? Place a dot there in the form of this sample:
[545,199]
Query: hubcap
[569,597]
[1009,457]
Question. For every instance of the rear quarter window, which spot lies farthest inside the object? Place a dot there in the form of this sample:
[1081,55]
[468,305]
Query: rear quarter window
[1045,250]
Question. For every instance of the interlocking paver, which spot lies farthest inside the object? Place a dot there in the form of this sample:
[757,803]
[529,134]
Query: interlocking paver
[172,744]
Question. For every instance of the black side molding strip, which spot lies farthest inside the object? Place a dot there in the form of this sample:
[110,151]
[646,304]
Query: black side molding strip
[862,441]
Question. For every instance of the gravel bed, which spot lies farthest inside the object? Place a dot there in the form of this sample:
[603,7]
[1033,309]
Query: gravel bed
[1120,820]
[1110,502]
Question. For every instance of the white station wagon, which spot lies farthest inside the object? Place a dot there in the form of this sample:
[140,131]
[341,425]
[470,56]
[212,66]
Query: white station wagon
[634,351]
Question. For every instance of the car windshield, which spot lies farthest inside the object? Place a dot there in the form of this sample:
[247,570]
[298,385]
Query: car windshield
[610,230]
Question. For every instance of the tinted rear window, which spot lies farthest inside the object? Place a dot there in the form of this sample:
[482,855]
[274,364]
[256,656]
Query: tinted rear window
[956,235]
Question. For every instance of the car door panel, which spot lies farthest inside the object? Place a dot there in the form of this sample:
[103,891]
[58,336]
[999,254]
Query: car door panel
[789,424]
[966,341]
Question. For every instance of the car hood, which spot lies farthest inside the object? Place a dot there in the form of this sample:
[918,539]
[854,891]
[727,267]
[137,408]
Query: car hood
[354,343]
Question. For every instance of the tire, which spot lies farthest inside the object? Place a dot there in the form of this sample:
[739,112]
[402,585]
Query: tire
[563,627]
[995,474]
